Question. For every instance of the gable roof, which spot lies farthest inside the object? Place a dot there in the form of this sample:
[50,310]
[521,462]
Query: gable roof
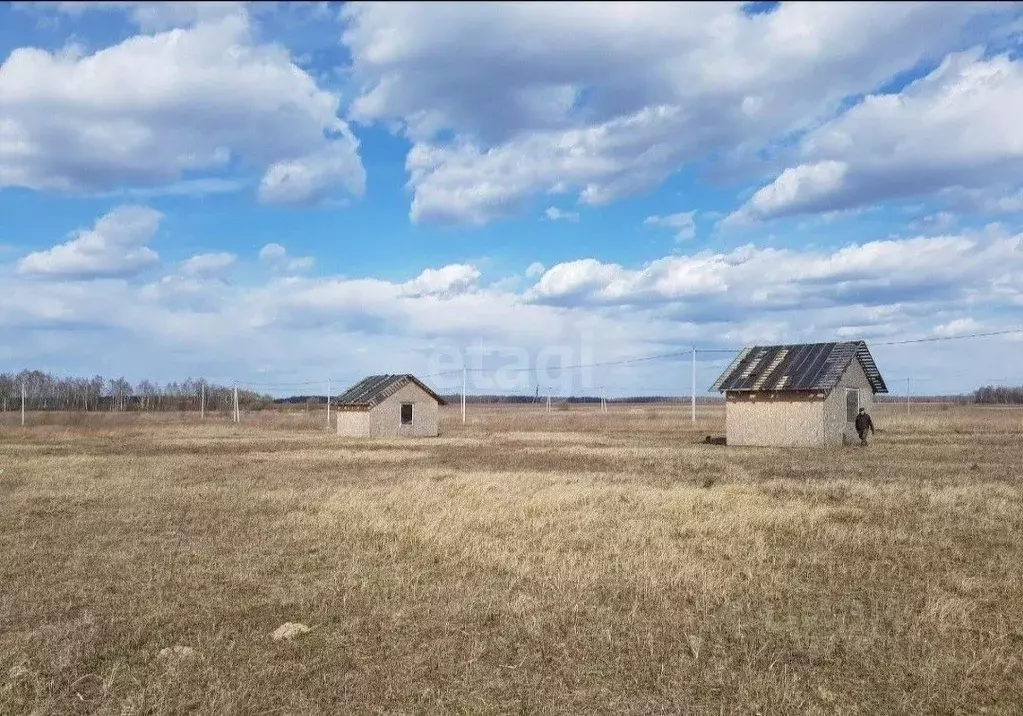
[808,366]
[370,391]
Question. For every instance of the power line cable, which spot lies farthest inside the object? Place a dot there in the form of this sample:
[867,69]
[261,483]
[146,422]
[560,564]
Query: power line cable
[640,359]
[933,339]
[622,361]
[272,386]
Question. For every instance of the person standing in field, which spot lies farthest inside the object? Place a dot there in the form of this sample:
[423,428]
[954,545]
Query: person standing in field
[863,424]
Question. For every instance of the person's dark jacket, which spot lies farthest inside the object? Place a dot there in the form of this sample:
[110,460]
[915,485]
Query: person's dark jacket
[863,422]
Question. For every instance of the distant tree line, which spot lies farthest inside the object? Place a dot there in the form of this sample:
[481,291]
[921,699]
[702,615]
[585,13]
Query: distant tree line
[46,392]
[987,394]
[454,398]
[958,399]
[586,399]
[1002,395]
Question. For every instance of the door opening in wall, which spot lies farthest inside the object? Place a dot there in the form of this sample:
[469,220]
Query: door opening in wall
[852,403]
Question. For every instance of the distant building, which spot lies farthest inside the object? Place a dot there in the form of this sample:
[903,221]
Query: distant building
[388,406]
[798,395]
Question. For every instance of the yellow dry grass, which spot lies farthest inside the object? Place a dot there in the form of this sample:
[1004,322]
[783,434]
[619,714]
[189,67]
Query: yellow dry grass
[528,562]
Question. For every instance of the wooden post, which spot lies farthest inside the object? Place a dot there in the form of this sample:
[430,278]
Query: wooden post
[694,385]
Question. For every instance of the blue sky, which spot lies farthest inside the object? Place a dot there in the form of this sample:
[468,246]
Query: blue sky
[281,193]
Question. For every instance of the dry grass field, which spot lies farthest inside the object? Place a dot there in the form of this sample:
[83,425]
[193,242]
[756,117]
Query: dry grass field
[529,563]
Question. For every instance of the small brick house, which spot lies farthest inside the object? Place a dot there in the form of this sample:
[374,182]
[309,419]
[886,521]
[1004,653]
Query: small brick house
[388,406]
[804,395]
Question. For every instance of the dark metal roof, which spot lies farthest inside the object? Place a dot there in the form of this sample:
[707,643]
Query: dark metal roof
[372,390]
[810,366]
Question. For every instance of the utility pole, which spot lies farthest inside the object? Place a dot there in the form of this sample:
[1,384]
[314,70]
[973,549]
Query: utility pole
[603,401]
[22,403]
[202,401]
[328,402]
[907,395]
[694,385]
[548,400]
[237,417]
[463,394]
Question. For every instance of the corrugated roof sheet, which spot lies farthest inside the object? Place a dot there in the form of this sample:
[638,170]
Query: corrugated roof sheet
[370,391]
[809,366]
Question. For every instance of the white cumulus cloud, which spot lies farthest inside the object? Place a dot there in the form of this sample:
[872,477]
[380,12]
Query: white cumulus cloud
[919,269]
[958,327]
[555,214]
[798,189]
[206,264]
[955,129]
[277,256]
[448,280]
[310,179]
[154,15]
[598,311]
[201,101]
[272,252]
[682,223]
[115,246]
[605,100]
